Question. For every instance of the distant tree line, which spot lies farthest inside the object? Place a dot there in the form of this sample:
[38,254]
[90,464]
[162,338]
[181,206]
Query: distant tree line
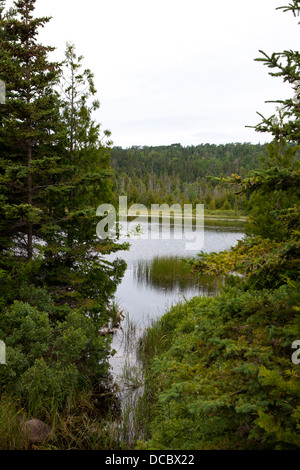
[173,173]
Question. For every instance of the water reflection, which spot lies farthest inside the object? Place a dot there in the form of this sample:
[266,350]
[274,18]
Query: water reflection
[155,278]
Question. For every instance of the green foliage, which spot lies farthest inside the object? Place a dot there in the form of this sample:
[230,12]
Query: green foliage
[43,386]
[56,286]
[224,364]
[50,362]
[28,328]
[265,263]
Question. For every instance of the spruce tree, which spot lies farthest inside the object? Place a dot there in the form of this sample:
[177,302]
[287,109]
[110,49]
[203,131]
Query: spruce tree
[29,125]
[54,172]
[75,266]
[284,125]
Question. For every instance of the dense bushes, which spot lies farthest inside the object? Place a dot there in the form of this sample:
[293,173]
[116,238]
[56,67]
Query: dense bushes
[223,373]
[50,361]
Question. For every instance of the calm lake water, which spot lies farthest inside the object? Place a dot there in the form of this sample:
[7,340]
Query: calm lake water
[145,297]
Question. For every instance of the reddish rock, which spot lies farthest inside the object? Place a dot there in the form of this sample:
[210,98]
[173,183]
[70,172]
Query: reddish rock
[36,431]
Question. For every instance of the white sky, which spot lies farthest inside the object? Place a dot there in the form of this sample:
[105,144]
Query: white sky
[174,71]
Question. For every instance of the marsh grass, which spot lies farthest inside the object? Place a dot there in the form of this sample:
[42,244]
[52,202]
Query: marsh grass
[86,423]
[130,330]
[81,428]
[132,424]
[130,383]
[230,224]
[166,271]
[171,272]
[233,214]
[151,342]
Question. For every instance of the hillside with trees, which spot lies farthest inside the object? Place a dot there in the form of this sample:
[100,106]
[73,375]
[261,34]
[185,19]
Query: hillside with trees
[177,174]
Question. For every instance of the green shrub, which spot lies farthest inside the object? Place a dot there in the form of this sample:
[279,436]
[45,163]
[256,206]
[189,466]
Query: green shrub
[225,373]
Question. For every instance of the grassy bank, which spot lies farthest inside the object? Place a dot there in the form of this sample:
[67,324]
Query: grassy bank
[212,218]
[225,214]
[220,218]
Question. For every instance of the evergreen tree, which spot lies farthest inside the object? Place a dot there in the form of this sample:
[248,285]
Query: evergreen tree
[30,124]
[285,124]
[54,172]
[75,253]
[274,204]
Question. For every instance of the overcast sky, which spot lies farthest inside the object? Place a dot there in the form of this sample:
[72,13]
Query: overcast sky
[174,71]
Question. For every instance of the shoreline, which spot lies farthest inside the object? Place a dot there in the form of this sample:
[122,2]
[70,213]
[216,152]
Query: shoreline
[209,219]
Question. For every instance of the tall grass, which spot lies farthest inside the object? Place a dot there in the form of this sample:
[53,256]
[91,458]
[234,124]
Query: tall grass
[11,437]
[170,272]
[151,342]
[230,224]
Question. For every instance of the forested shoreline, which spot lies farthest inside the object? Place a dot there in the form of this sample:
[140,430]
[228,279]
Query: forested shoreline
[219,372]
[176,174]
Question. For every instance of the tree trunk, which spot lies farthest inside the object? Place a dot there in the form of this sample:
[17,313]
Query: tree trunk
[29,200]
